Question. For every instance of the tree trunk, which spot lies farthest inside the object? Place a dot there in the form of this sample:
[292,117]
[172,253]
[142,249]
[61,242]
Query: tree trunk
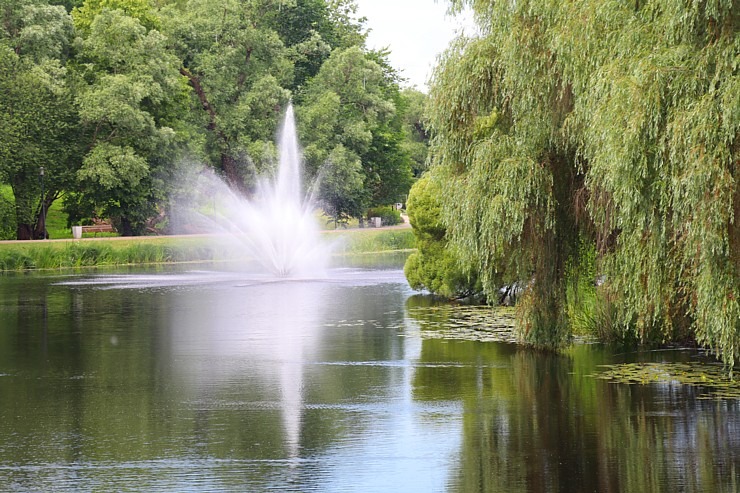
[228,162]
[126,228]
[24,206]
[234,178]
[39,230]
[24,231]
[201,93]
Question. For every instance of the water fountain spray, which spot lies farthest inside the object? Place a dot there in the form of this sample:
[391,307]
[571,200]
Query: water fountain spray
[277,226]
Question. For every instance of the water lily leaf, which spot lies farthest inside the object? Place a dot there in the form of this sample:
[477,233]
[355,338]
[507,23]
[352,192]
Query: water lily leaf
[711,379]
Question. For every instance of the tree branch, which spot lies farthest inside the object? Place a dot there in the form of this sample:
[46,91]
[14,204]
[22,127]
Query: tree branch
[198,88]
[243,75]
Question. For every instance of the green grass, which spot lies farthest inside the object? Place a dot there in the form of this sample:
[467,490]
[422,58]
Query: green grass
[71,254]
[162,249]
[56,222]
[374,240]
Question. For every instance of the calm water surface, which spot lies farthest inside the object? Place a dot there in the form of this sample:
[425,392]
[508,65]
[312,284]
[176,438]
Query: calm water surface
[203,380]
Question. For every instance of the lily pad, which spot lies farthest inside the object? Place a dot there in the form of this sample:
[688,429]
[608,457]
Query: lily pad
[712,379]
[469,323]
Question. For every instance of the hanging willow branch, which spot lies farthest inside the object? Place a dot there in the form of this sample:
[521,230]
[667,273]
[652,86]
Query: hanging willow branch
[629,112]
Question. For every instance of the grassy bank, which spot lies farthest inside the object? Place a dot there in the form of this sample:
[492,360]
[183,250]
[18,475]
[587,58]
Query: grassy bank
[359,241]
[30,255]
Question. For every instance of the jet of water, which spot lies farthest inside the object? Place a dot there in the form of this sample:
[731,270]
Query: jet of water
[277,226]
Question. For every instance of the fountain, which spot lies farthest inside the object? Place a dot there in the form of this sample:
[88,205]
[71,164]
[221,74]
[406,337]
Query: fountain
[277,228]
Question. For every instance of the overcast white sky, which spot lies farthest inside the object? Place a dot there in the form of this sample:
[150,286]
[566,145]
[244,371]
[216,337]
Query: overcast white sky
[416,31]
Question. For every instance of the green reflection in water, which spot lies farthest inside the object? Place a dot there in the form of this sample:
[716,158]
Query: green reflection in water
[226,385]
[537,421]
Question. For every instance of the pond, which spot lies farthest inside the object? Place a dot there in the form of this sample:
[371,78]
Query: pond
[195,378]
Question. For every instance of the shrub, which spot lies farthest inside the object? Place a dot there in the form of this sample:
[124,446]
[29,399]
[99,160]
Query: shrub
[7,219]
[435,267]
[387,213]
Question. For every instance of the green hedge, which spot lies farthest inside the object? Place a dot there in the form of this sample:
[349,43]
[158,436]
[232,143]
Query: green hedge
[387,213]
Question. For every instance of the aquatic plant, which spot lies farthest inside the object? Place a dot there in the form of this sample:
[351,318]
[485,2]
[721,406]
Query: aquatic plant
[712,379]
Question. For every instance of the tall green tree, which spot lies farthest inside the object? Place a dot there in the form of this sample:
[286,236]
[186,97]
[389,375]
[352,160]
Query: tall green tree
[416,135]
[612,121]
[238,68]
[387,162]
[130,95]
[311,30]
[350,105]
[341,183]
[37,116]
[349,27]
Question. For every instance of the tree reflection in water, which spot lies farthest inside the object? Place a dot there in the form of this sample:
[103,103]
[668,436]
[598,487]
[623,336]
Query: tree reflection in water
[538,421]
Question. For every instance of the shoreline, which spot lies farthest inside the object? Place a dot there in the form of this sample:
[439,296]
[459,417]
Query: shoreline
[402,226]
[60,254]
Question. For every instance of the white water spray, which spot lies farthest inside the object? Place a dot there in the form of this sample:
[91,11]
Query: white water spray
[277,227]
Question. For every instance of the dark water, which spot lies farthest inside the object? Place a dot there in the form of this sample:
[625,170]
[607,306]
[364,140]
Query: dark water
[214,381]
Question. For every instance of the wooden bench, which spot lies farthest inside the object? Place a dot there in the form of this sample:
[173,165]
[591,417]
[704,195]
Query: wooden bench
[99,228]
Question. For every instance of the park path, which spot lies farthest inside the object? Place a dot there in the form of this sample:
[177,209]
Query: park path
[404,225]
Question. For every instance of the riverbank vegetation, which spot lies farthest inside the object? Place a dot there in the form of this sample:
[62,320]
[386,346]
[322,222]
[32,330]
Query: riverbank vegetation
[45,255]
[106,102]
[588,151]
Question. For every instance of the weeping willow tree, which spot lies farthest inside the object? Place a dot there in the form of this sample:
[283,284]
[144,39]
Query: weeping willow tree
[605,121]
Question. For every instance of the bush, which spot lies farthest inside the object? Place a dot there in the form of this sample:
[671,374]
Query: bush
[387,213]
[7,219]
[435,267]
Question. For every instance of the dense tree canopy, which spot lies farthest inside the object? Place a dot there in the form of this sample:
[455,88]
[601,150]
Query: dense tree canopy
[37,117]
[237,67]
[128,96]
[350,111]
[109,96]
[614,122]
[416,142]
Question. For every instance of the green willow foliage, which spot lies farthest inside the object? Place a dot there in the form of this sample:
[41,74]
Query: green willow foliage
[611,120]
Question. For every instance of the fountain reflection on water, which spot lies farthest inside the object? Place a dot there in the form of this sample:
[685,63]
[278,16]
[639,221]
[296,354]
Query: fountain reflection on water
[257,336]
[277,227]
